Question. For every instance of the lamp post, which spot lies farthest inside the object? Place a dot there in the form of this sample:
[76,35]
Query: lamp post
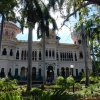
[71,67]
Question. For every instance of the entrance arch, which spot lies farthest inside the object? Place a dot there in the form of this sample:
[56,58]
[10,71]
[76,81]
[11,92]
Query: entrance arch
[22,73]
[50,74]
[33,73]
[63,71]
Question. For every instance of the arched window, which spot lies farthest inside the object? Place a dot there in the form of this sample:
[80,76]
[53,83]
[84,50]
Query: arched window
[61,56]
[25,55]
[4,51]
[76,72]
[17,54]
[81,55]
[57,55]
[33,73]
[16,72]
[39,72]
[58,72]
[46,53]
[33,55]
[23,73]
[71,56]
[79,41]
[22,54]
[75,57]
[2,72]
[9,73]
[40,55]
[53,54]
[11,52]
[67,72]
[49,53]
[65,56]
[82,70]
[63,71]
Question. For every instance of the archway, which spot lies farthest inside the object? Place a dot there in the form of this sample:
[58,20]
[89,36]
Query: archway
[50,74]
[33,73]
[67,71]
[23,74]
[2,72]
[63,71]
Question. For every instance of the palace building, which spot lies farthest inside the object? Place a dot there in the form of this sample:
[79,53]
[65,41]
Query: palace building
[61,59]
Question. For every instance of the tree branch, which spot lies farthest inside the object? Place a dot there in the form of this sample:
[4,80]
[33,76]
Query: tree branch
[94,1]
[82,6]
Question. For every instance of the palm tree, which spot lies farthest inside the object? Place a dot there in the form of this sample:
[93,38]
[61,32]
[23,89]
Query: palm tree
[32,12]
[7,13]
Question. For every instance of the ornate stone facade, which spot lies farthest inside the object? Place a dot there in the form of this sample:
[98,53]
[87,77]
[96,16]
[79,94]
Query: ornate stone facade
[59,56]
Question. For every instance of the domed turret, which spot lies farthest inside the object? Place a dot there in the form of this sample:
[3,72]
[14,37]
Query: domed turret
[10,30]
[76,37]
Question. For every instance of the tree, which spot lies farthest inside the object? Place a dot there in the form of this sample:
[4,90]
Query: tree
[32,12]
[7,13]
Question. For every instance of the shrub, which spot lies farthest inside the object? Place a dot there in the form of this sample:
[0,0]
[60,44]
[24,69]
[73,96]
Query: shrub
[60,81]
[70,81]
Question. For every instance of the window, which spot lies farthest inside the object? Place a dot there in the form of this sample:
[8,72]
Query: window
[22,54]
[17,55]
[49,53]
[40,55]
[33,73]
[76,72]
[75,57]
[60,56]
[81,55]
[39,72]
[63,56]
[16,72]
[2,72]
[53,54]
[71,56]
[79,41]
[9,73]
[58,72]
[63,71]
[82,70]
[33,55]
[11,52]
[46,53]
[57,55]
[4,51]
[67,71]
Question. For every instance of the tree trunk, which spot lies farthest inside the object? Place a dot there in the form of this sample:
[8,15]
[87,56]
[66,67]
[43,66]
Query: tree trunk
[44,79]
[29,77]
[93,61]
[1,33]
[84,44]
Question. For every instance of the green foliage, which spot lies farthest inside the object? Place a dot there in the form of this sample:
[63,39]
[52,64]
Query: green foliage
[9,90]
[70,81]
[92,79]
[60,81]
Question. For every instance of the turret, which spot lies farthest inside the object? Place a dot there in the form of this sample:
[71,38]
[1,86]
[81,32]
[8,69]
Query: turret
[76,37]
[10,30]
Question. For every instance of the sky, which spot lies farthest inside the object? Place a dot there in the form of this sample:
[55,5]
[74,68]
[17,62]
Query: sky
[63,32]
